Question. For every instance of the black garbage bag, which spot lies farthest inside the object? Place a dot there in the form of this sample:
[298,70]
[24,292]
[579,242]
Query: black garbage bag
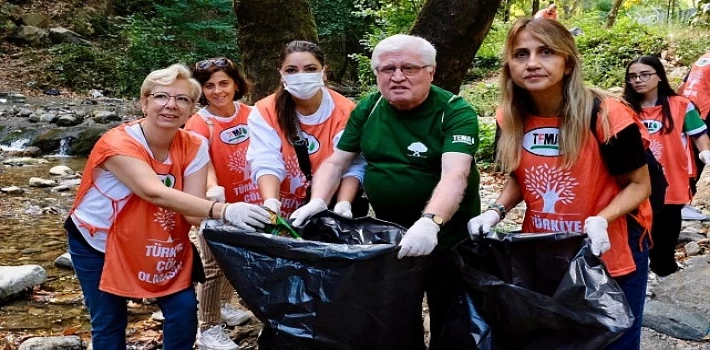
[540,291]
[341,287]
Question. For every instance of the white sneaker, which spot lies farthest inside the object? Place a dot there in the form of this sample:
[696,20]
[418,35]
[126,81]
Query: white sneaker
[233,316]
[690,213]
[158,316]
[215,338]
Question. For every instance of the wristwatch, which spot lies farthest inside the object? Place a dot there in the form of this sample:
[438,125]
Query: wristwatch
[435,218]
[499,208]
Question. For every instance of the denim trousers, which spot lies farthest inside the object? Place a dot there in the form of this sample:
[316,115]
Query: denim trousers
[634,287]
[109,315]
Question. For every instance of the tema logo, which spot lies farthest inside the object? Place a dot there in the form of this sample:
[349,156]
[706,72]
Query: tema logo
[653,126]
[313,144]
[234,135]
[168,180]
[542,142]
[417,148]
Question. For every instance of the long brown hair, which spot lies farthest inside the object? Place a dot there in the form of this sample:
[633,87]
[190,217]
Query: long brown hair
[577,100]
[285,106]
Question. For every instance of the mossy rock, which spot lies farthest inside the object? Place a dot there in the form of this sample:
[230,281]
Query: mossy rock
[85,141]
[49,140]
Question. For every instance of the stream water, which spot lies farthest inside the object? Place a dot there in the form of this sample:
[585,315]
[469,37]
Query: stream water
[31,232]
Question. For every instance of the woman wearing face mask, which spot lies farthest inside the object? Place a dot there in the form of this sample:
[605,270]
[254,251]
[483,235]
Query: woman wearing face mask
[308,115]
[672,121]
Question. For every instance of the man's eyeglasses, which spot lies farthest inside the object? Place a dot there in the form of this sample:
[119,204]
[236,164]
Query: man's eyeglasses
[643,77]
[408,70]
[219,62]
[163,98]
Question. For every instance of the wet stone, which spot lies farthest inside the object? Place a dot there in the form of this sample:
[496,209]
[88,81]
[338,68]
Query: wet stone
[31,251]
[692,249]
[16,279]
[11,190]
[71,342]
[64,261]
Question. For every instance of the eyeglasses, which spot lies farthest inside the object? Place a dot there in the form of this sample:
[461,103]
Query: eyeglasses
[408,70]
[218,62]
[643,76]
[163,98]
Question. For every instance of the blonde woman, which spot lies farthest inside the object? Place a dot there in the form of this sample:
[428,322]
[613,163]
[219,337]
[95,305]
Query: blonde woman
[572,176]
[143,187]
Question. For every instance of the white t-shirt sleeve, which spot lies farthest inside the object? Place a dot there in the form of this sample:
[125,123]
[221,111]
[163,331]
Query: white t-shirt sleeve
[357,168]
[201,159]
[264,152]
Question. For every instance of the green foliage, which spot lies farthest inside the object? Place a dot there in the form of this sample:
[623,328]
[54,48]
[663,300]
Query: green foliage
[389,17]
[606,52]
[177,32]
[486,142]
[484,97]
[488,59]
[82,67]
[689,44]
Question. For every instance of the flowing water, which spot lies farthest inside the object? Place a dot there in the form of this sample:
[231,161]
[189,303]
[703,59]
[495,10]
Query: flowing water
[31,232]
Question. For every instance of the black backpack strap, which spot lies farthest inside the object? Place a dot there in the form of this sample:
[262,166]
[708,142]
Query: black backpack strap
[595,115]
[301,147]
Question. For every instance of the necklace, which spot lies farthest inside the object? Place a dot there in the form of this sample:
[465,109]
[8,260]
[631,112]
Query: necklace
[149,146]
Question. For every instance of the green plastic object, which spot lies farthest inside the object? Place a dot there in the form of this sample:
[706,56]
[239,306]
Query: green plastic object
[282,228]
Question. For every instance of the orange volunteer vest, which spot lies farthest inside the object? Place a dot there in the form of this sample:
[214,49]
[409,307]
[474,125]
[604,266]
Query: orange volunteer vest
[669,149]
[228,153]
[320,146]
[148,252]
[697,86]
[561,199]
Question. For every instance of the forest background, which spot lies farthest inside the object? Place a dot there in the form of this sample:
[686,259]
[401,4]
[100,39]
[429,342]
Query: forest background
[130,38]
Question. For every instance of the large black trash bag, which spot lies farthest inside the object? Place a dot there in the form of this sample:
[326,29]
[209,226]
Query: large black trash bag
[342,287]
[542,291]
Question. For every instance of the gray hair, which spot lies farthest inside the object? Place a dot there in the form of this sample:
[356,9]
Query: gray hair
[403,42]
[168,76]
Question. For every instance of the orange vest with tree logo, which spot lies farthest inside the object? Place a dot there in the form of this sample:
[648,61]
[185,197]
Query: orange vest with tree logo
[148,252]
[228,148]
[321,143]
[559,199]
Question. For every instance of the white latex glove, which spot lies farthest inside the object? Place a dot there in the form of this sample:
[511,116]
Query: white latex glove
[420,239]
[273,204]
[595,228]
[216,194]
[246,216]
[343,208]
[483,223]
[705,156]
[315,206]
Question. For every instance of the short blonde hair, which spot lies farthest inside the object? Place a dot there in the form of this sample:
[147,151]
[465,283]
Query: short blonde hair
[168,76]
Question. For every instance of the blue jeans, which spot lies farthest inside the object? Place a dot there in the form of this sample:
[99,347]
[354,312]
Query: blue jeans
[109,316]
[634,287]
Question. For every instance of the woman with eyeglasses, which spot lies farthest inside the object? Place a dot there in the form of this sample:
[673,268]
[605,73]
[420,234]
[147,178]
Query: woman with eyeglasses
[295,129]
[572,174]
[142,188]
[672,121]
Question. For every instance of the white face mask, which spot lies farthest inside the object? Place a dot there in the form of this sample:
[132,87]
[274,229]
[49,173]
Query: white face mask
[303,85]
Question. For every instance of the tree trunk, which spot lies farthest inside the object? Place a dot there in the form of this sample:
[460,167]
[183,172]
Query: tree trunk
[575,6]
[506,10]
[535,6]
[456,28]
[611,18]
[264,28]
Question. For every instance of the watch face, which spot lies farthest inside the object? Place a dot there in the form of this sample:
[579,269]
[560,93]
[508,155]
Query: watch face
[437,219]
